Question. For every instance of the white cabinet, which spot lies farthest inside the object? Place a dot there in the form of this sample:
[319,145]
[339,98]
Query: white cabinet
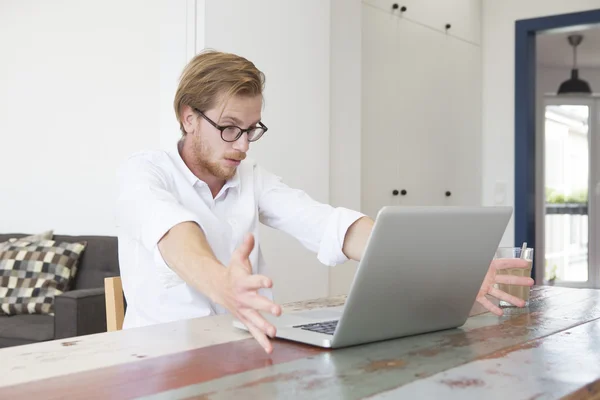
[379,141]
[462,120]
[464,16]
[421,115]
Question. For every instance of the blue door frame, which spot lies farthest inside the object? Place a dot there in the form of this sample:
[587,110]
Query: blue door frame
[525,121]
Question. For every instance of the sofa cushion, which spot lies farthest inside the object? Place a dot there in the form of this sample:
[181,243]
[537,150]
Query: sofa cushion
[34,328]
[13,342]
[32,274]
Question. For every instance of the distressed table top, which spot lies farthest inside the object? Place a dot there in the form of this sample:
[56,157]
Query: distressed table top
[549,350]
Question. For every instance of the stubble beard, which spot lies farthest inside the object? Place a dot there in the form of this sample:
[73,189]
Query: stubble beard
[203,156]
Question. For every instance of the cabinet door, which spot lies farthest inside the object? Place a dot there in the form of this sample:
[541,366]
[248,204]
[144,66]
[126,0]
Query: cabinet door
[421,115]
[419,111]
[380,128]
[461,161]
[464,16]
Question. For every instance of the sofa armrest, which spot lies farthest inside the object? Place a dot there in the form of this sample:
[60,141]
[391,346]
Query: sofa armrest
[79,312]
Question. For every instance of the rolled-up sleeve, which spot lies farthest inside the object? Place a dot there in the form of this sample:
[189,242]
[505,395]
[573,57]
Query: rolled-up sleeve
[320,227]
[145,208]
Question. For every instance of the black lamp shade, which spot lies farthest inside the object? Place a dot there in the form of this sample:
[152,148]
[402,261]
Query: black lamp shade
[574,85]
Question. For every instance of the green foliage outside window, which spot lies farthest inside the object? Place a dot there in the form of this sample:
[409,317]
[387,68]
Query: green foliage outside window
[554,197]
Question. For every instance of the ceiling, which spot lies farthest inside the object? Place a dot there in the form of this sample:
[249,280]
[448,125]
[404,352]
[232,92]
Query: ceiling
[553,49]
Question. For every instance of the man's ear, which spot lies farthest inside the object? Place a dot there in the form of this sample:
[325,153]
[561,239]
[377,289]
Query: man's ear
[188,118]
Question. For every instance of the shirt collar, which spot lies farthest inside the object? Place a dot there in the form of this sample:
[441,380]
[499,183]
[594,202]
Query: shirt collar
[192,179]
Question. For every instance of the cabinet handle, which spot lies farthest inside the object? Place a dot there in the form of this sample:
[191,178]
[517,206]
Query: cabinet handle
[448,193]
[448,26]
[395,192]
[403,192]
[395,6]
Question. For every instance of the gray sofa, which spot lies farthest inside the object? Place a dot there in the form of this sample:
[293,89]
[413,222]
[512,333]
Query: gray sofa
[80,311]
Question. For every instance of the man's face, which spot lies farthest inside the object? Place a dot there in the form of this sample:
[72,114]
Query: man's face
[210,151]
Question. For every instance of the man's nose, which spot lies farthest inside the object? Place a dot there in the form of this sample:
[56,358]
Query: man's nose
[242,144]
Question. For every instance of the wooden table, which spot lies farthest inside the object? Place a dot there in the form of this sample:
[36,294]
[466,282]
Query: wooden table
[549,350]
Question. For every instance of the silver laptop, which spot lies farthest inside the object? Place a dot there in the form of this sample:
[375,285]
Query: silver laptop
[421,271]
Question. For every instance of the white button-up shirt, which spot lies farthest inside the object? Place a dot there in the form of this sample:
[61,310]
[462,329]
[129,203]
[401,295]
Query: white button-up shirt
[158,191]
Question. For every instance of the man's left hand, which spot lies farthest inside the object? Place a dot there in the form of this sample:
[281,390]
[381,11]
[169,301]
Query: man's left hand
[492,277]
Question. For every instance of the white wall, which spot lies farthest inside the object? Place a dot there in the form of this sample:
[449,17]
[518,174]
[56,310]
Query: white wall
[80,91]
[290,43]
[177,45]
[498,24]
[345,106]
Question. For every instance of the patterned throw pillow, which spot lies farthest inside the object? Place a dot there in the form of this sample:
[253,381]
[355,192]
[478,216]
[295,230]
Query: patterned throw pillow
[32,274]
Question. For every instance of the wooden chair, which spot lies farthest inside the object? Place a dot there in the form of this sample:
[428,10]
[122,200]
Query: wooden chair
[115,307]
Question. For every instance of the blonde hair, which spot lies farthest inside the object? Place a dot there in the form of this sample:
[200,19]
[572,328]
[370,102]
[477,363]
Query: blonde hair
[211,76]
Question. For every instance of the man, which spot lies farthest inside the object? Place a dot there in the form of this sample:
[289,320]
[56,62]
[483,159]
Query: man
[188,219]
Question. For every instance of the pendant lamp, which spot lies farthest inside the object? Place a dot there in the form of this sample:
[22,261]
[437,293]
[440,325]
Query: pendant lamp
[574,85]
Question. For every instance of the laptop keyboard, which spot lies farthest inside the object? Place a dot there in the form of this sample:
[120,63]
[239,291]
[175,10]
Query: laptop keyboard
[327,327]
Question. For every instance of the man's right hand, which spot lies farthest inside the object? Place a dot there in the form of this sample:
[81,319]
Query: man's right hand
[239,295]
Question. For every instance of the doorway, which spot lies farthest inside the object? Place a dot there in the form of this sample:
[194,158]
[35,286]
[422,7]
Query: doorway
[569,142]
[530,192]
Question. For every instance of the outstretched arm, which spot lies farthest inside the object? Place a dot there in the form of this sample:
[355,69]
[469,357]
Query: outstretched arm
[149,212]
[355,243]
[320,227]
[187,252]
[356,238]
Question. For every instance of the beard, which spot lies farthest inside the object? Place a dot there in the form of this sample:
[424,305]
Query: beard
[205,158]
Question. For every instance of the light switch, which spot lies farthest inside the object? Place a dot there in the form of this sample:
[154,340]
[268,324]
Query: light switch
[500,193]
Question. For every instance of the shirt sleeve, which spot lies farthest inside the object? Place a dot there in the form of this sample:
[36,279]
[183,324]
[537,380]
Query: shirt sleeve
[145,208]
[320,227]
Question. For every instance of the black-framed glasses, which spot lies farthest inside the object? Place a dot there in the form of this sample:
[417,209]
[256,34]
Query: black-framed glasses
[231,133]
